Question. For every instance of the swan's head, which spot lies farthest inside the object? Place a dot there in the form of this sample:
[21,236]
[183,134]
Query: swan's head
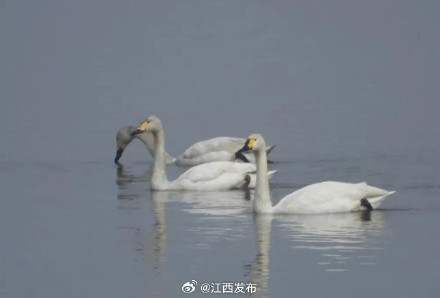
[150,124]
[123,138]
[254,142]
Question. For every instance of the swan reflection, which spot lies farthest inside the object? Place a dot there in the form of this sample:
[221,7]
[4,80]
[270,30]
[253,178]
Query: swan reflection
[342,232]
[341,240]
[151,243]
[216,203]
[259,269]
[125,177]
[221,216]
[155,241]
[216,214]
[333,242]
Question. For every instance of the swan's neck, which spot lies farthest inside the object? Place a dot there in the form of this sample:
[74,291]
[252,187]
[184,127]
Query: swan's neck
[148,140]
[262,203]
[159,176]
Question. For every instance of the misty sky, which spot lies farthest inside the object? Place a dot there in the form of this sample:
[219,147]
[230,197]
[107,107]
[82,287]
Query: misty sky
[72,72]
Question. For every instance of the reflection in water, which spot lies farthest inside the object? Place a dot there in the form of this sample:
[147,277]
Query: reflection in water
[341,238]
[216,203]
[260,268]
[154,242]
[220,215]
[218,211]
[340,241]
[125,177]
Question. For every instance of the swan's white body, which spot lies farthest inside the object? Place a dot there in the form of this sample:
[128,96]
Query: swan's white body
[213,176]
[324,197]
[215,149]
[329,197]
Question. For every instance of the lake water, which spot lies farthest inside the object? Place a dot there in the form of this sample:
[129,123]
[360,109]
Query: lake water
[346,90]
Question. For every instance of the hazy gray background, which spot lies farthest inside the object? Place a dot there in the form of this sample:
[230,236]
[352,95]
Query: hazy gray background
[348,90]
[362,75]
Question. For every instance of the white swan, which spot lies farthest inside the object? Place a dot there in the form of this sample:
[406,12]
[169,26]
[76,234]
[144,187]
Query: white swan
[324,197]
[216,149]
[221,175]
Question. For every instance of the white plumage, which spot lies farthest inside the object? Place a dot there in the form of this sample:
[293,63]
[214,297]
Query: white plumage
[215,149]
[329,197]
[221,175]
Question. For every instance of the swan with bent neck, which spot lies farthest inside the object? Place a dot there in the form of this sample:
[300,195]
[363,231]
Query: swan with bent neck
[221,175]
[323,197]
[124,137]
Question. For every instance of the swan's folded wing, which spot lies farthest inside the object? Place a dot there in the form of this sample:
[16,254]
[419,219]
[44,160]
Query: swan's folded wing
[213,170]
[228,144]
[269,149]
[329,196]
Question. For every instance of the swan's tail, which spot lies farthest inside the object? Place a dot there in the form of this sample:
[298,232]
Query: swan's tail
[372,196]
[169,159]
[376,201]
[269,149]
[271,173]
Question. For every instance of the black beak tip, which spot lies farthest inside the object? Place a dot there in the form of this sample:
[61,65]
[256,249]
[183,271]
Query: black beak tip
[239,155]
[136,132]
[118,155]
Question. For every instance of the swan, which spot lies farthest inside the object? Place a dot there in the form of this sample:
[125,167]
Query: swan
[220,175]
[323,197]
[215,149]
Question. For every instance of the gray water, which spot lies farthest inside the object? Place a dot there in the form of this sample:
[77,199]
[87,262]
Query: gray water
[347,90]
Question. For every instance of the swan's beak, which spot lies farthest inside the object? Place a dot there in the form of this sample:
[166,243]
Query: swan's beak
[118,155]
[136,132]
[247,146]
[141,129]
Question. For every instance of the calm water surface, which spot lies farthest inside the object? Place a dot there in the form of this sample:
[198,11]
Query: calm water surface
[93,229]
[343,98]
